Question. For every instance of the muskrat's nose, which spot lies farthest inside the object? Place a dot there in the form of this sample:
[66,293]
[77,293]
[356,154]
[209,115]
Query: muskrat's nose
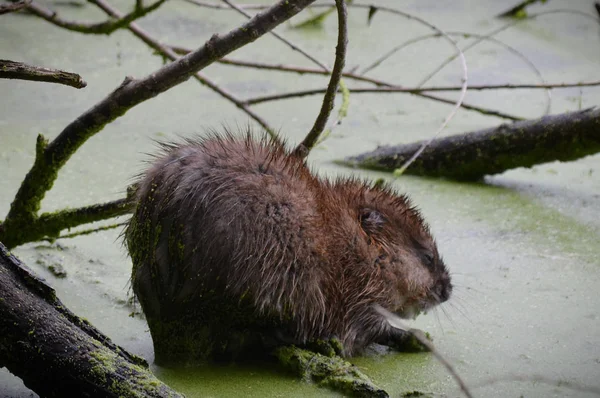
[444,289]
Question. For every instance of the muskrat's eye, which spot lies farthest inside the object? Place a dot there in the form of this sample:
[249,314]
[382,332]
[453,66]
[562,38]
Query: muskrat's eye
[371,220]
[429,259]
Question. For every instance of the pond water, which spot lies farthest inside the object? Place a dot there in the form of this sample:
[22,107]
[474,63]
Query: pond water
[523,246]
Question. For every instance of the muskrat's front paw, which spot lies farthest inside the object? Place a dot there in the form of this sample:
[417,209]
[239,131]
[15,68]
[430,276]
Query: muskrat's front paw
[328,347]
[413,340]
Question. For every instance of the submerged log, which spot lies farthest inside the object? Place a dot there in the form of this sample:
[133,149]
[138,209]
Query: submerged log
[471,156]
[58,354]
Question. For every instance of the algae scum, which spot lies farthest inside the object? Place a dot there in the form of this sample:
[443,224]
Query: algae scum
[523,246]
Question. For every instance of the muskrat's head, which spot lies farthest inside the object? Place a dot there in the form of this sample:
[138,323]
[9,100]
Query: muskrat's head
[403,251]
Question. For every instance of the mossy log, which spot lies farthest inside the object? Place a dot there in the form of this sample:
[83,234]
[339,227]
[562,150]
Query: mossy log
[471,156]
[58,354]
[329,371]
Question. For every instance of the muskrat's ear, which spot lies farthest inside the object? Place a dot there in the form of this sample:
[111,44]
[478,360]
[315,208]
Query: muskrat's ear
[371,220]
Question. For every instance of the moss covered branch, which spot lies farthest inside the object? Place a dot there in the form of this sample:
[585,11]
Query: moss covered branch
[21,71]
[328,371]
[41,341]
[471,156]
[49,225]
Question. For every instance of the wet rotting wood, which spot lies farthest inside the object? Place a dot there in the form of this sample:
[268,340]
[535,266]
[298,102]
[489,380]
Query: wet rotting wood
[473,155]
[55,352]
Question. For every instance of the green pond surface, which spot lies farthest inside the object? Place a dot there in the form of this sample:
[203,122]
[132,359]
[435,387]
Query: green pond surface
[523,247]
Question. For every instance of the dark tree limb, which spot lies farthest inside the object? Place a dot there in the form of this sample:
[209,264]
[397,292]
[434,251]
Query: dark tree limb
[106,27]
[471,156]
[19,70]
[57,353]
[12,7]
[51,157]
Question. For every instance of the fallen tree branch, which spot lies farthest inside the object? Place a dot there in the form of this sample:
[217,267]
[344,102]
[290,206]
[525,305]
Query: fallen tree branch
[21,71]
[51,157]
[55,352]
[471,156]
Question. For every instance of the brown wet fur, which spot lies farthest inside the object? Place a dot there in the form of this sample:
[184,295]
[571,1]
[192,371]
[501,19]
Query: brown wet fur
[252,224]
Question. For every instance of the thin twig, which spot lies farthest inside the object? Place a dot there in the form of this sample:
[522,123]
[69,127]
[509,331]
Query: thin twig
[90,231]
[170,54]
[106,27]
[280,37]
[303,149]
[469,35]
[414,90]
[21,71]
[377,82]
[296,94]
[397,323]
[498,30]
[222,7]
[12,7]
[463,90]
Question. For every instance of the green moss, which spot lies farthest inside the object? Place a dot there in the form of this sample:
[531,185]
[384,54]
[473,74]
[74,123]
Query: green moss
[122,378]
[332,372]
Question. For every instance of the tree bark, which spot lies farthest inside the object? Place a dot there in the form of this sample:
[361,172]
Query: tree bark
[19,70]
[470,156]
[58,354]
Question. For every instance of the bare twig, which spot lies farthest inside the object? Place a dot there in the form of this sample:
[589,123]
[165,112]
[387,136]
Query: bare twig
[501,29]
[463,90]
[414,90]
[50,158]
[490,112]
[469,35]
[19,70]
[12,7]
[279,37]
[90,231]
[106,27]
[377,82]
[222,7]
[311,138]
[396,322]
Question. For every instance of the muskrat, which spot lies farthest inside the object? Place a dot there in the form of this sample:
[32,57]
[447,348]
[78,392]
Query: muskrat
[234,237]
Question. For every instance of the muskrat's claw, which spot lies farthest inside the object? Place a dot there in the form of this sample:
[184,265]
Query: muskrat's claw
[413,340]
[330,347]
